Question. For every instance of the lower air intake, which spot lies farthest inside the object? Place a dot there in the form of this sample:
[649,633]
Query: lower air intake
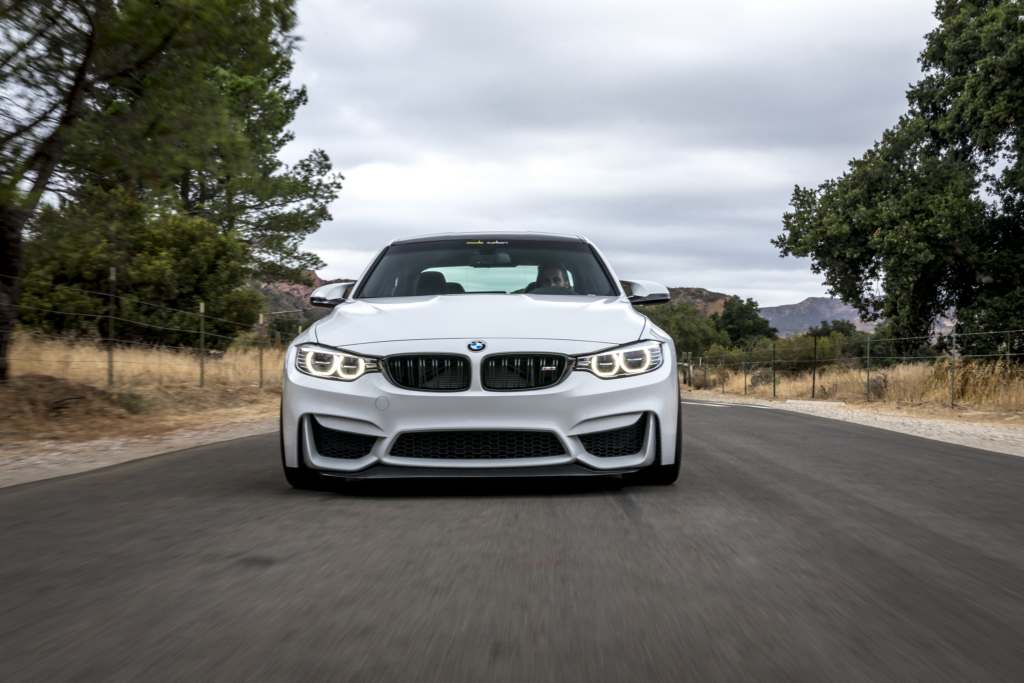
[429,373]
[477,445]
[615,442]
[332,443]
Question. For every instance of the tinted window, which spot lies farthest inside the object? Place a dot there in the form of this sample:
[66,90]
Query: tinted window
[468,266]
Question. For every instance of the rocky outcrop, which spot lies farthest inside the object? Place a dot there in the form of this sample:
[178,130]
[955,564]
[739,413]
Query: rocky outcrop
[705,301]
[289,296]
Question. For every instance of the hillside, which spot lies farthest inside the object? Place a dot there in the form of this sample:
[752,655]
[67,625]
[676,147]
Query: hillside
[796,318]
[788,319]
[706,301]
[287,296]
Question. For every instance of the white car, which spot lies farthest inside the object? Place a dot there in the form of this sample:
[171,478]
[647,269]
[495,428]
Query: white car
[483,355]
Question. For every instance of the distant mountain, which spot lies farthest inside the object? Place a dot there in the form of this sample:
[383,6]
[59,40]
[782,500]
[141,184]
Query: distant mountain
[797,318]
[706,301]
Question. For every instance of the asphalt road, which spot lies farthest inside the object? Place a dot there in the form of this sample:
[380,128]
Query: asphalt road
[794,548]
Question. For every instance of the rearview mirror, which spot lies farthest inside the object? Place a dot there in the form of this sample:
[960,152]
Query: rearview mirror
[331,295]
[645,292]
[499,260]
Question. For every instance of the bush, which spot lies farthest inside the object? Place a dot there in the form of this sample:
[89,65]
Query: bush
[762,376]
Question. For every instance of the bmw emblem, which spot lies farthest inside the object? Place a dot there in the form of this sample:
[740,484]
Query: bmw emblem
[477,346]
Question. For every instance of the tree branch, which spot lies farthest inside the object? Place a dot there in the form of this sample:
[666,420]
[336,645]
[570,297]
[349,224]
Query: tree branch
[49,153]
[153,54]
[28,126]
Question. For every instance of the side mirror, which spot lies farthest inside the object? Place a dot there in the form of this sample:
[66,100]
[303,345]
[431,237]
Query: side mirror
[331,295]
[644,292]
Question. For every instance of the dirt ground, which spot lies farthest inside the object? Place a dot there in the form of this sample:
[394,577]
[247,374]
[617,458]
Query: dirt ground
[50,426]
[962,414]
[37,407]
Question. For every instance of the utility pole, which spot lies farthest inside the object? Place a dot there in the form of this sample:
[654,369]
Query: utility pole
[723,374]
[952,380]
[110,328]
[202,344]
[814,368]
[868,388]
[744,372]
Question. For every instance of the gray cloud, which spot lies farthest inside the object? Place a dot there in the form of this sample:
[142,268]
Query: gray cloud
[671,133]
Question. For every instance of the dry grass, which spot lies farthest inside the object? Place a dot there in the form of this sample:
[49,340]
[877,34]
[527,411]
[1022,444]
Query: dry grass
[59,390]
[981,384]
[85,362]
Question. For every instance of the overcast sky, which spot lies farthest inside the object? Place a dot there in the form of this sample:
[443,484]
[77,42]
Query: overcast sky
[670,133]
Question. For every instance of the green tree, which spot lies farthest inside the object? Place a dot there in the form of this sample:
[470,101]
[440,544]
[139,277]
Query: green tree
[830,327]
[166,264]
[930,221]
[249,190]
[134,93]
[741,320]
[690,330]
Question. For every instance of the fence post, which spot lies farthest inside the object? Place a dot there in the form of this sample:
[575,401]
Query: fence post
[773,369]
[277,339]
[952,375]
[867,387]
[259,342]
[744,372]
[814,369]
[723,374]
[202,344]
[705,387]
[110,328]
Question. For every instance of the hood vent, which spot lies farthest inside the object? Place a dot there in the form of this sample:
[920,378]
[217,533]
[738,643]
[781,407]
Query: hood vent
[429,373]
[522,371]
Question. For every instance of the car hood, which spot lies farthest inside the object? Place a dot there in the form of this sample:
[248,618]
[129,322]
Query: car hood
[605,320]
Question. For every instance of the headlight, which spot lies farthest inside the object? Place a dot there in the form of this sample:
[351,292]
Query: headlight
[634,359]
[331,364]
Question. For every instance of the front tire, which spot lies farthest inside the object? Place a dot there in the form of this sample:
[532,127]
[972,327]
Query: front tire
[301,477]
[658,474]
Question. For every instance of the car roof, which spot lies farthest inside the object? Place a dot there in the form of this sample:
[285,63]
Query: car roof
[491,237]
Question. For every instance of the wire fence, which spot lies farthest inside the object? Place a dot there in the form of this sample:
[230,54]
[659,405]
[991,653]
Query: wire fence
[984,369]
[95,354]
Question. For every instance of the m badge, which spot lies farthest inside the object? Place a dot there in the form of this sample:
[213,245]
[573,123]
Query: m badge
[477,346]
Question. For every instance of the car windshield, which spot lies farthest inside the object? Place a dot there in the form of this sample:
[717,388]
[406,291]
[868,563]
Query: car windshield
[471,266]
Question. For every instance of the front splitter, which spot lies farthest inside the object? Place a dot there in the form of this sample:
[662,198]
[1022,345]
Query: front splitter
[393,472]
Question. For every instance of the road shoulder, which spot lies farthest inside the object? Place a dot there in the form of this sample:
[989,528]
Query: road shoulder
[999,439]
[30,461]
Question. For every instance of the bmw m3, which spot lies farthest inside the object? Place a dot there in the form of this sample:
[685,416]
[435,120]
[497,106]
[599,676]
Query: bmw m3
[483,355]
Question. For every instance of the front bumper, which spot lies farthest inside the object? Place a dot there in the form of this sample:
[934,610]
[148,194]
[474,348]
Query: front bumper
[581,404]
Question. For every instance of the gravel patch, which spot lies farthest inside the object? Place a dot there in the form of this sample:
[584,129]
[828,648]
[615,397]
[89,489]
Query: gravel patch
[1009,440]
[26,461]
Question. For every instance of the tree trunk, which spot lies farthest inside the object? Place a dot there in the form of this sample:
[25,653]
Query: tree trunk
[12,223]
[15,211]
